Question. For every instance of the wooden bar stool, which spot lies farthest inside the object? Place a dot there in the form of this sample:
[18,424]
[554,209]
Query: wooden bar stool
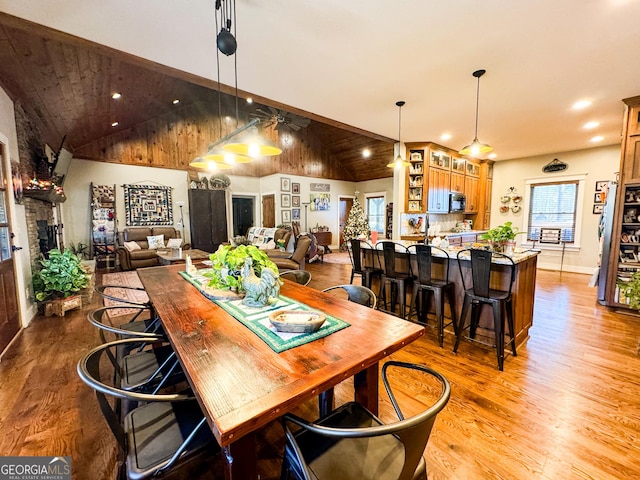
[438,285]
[483,264]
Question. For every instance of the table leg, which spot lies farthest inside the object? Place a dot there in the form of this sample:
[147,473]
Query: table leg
[240,462]
[365,385]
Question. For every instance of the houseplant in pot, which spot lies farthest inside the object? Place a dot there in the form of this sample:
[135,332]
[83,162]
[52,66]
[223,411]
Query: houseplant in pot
[501,237]
[59,279]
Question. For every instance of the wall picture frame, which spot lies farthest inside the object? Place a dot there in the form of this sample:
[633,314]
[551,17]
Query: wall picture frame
[320,201]
[295,188]
[601,185]
[295,200]
[285,184]
[286,216]
[598,208]
[598,197]
[285,200]
[295,214]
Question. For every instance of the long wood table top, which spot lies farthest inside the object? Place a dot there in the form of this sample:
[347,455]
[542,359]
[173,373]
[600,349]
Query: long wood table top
[240,382]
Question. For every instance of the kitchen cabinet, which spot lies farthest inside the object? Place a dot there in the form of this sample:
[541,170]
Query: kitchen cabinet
[415,182]
[438,191]
[471,191]
[208,218]
[457,182]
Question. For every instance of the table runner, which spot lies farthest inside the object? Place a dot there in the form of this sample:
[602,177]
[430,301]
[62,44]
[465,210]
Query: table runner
[257,319]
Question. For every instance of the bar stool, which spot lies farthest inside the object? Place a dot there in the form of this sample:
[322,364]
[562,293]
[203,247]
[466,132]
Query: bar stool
[357,264]
[428,283]
[397,280]
[483,264]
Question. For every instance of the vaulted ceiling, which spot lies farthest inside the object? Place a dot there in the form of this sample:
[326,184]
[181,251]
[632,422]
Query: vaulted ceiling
[65,84]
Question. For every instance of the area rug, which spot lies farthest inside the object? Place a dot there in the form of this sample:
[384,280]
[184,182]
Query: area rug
[341,258]
[124,279]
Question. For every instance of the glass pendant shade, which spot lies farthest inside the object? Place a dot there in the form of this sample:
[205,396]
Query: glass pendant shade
[399,162]
[476,148]
[219,155]
[252,145]
[212,165]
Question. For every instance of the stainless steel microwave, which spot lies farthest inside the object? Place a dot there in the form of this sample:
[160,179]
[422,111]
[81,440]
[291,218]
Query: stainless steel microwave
[457,202]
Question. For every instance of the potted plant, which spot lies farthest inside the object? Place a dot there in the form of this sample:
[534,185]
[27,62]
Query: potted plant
[228,261]
[630,290]
[59,280]
[501,237]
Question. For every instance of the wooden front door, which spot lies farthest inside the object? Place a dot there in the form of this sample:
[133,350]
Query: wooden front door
[9,319]
[269,211]
[345,208]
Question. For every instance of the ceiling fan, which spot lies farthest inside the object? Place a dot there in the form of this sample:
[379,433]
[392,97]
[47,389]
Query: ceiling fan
[282,120]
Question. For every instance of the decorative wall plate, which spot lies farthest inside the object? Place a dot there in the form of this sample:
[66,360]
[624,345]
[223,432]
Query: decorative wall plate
[516,208]
[504,208]
[505,198]
[516,198]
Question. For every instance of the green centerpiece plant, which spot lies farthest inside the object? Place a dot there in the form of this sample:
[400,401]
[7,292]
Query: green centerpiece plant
[227,264]
[501,236]
[59,276]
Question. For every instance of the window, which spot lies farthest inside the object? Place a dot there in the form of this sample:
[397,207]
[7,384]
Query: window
[375,213]
[553,206]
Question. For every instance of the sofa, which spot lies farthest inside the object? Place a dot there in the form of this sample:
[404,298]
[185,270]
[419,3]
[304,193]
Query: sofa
[133,246]
[267,238]
[295,251]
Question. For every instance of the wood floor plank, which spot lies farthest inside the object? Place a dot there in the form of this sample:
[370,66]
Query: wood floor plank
[567,407]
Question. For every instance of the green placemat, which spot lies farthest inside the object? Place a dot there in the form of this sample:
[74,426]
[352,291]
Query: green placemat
[257,319]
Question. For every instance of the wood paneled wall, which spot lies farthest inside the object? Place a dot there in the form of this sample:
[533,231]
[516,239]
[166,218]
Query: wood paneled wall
[173,140]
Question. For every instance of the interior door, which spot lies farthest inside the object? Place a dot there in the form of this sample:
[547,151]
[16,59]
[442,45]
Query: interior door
[345,208]
[269,211]
[242,215]
[9,319]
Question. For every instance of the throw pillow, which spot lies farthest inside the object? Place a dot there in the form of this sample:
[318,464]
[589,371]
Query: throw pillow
[156,241]
[174,243]
[131,246]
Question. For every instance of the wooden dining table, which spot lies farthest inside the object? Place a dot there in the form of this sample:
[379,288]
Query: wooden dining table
[242,384]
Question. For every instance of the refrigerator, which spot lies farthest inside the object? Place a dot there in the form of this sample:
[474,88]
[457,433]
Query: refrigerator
[605,232]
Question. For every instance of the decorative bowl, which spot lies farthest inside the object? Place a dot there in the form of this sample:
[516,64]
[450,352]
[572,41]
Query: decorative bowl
[297,321]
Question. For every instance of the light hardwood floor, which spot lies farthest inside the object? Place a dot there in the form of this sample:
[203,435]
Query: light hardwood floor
[567,407]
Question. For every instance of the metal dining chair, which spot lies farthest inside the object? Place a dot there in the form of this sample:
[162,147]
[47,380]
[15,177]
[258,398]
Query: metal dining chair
[302,277]
[397,280]
[353,443]
[160,436]
[358,267]
[358,294]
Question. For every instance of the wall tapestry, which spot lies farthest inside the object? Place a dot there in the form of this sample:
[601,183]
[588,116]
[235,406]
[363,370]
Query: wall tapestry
[147,205]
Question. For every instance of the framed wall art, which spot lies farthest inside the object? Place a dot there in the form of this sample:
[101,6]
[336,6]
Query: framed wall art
[295,214]
[285,184]
[320,201]
[147,205]
[285,200]
[286,216]
[295,188]
[295,200]
[598,208]
[601,185]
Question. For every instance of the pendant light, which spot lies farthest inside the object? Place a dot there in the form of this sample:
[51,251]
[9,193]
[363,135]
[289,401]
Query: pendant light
[399,162]
[476,148]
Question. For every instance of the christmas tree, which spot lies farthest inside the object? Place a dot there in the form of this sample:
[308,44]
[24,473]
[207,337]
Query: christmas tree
[357,223]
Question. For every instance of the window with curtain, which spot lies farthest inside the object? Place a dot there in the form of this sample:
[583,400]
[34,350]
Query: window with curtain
[554,206]
[375,213]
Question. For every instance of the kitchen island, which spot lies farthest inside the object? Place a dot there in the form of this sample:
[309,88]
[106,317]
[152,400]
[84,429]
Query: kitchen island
[523,291]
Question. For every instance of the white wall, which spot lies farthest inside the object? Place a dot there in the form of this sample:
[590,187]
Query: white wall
[598,163]
[22,263]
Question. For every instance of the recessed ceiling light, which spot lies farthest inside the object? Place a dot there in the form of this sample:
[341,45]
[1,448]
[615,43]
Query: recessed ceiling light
[116,96]
[580,104]
[249,100]
[591,125]
[492,156]
[597,138]
[445,136]
[176,101]
[366,153]
[115,124]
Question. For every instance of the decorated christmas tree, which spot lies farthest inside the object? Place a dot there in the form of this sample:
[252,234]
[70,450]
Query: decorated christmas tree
[357,224]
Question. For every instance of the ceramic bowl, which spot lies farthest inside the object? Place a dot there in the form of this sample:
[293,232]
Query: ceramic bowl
[297,321]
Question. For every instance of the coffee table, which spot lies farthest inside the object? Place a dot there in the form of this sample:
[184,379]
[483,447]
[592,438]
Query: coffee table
[166,257]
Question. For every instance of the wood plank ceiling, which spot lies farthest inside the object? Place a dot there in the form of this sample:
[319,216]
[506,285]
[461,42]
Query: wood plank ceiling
[65,84]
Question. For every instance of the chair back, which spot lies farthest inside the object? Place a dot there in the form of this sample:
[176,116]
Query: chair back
[425,262]
[355,255]
[413,433]
[302,247]
[482,265]
[302,277]
[391,250]
[89,371]
[357,294]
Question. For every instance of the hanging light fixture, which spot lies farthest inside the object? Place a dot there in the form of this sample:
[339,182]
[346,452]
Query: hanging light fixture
[476,148]
[224,153]
[399,162]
